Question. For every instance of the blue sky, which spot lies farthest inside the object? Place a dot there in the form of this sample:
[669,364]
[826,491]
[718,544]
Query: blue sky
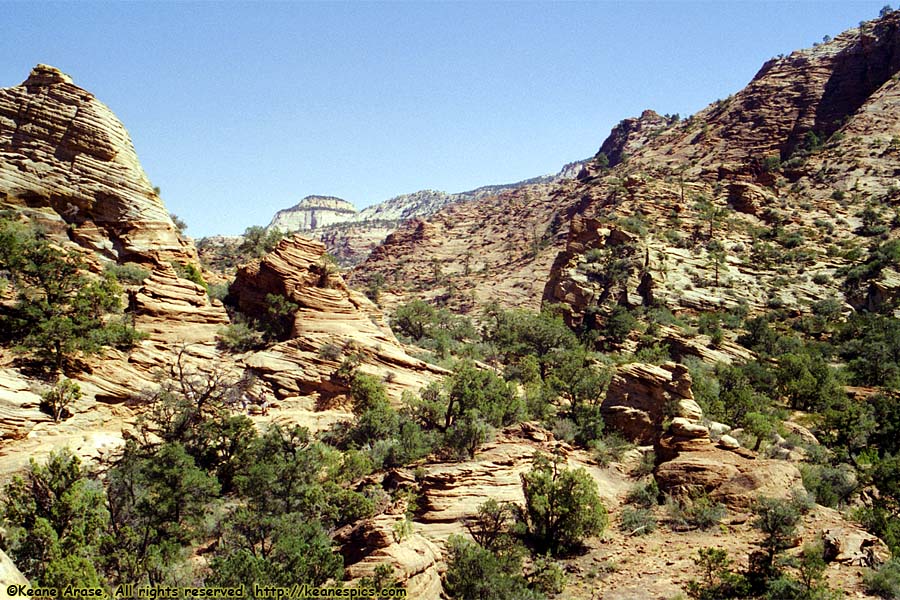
[240,109]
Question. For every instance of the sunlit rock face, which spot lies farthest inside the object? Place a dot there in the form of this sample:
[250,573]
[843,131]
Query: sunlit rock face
[67,162]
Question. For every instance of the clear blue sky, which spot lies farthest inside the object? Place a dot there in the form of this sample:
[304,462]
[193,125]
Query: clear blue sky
[240,109]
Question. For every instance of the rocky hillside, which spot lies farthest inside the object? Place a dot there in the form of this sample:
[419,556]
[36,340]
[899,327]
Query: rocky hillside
[767,198]
[759,198]
[662,440]
[69,167]
[350,236]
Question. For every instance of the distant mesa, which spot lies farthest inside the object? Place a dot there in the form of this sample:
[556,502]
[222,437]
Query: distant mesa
[313,212]
[350,235]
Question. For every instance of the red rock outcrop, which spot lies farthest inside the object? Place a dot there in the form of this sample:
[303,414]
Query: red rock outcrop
[329,315]
[415,559]
[630,135]
[734,477]
[66,160]
[654,405]
[641,396]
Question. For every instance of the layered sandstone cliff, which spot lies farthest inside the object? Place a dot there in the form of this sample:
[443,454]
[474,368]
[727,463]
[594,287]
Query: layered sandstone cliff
[68,162]
[313,212]
[331,324]
[755,201]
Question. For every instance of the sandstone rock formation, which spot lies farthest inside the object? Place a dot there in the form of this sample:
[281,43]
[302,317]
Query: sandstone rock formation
[733,477]
[630,135]
[350,236]
[328,315]
[641,396]
[852,546]
[9,574]
[313,212]
[414,558]
[654,405]
[69,163]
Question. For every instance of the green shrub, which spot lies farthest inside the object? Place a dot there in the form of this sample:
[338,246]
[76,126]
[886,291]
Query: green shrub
[610,448]
[130,272]
[588,422]
[821,278]
[595,255]
[777,519]
[562,506]
[465,406]
[239,337]
[884,582]
[490,527]
[830,485]
[644,495]
[646,464]
[374,284]
[697,511]
[368,393]
[475,573]
[279,320]
[466,434]
[330,351]
[547,576]
[719,580]
[257,242]
[54,517]
[59,311]
[56,401]
[190,272]
[771,163]
[881,522]
[602,160]
[637,521]
[218,291]
[298,552]
[619,324]
[634,224]
[383,579]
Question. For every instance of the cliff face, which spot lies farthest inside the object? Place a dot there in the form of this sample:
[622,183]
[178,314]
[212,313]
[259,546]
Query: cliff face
[756,199]
[328,315]
[814,89]
[351,236]
[66,160]
[313,212]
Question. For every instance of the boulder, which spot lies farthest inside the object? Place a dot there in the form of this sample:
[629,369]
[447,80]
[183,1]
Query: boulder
[853,546]
[726,442]
[682,427]
[640,395]
[733,478]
